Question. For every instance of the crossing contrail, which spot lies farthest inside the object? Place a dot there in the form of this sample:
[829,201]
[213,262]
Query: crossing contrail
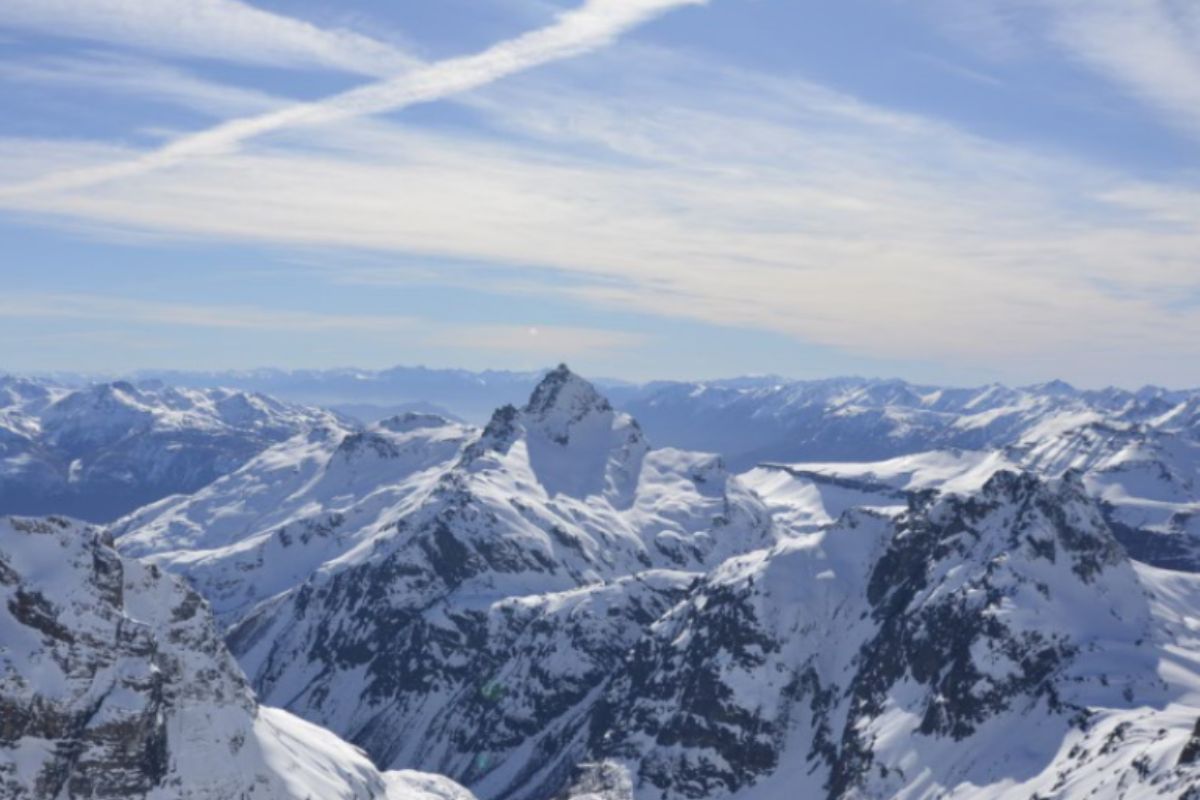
[591,26]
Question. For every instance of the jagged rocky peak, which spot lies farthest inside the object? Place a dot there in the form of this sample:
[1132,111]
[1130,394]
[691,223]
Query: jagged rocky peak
[564,409]
[500,433]
[563,399]
[575,442]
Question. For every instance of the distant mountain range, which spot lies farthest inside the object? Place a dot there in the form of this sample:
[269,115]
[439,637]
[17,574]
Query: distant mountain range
[748,421]
[102,450]
[374,394]
[473,395]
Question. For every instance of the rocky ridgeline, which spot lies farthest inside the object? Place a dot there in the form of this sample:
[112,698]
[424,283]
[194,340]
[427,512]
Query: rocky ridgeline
[550,607]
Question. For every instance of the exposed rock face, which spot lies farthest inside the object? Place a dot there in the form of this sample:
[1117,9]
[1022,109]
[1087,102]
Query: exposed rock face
[115,684]
[89,689]
[962,643]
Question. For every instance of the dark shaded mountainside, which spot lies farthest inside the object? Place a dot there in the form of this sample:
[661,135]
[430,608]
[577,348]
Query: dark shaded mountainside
[550,607]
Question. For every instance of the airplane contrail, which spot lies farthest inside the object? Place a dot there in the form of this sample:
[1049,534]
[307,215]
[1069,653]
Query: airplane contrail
[593,25]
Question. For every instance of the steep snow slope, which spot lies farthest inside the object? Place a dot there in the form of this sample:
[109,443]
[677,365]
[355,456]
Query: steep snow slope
[267,526]
[103,450]
[994,646]
[114,683]
[808,497]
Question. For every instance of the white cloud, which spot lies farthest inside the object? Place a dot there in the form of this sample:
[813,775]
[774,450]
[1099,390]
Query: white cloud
[103,308]
[1150,49]
[593,25]
[717,195]
[211,29]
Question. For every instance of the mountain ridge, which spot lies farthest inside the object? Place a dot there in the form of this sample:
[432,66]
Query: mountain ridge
[479,613]
[102,450]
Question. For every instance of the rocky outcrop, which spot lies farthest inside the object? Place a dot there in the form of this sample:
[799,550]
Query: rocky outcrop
[916,655]
[115,684]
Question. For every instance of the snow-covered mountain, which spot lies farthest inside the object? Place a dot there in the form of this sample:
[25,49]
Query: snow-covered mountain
[395,584]
[103,450]
[550,607]
[115,683]
[1139,452]
[366,393]
[852,419]
[1144,479]
[999,644]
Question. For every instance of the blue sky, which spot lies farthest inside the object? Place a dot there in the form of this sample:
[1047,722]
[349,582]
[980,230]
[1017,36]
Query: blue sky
[945,191]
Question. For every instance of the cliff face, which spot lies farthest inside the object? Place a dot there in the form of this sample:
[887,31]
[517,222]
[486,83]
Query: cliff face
[115,684]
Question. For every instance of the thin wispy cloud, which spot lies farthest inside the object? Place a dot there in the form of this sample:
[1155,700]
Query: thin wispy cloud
[805,212]
[593,25]
[1149,49]
[665,183]
[143,79]
[534,342]
[208,29]
[108,308]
